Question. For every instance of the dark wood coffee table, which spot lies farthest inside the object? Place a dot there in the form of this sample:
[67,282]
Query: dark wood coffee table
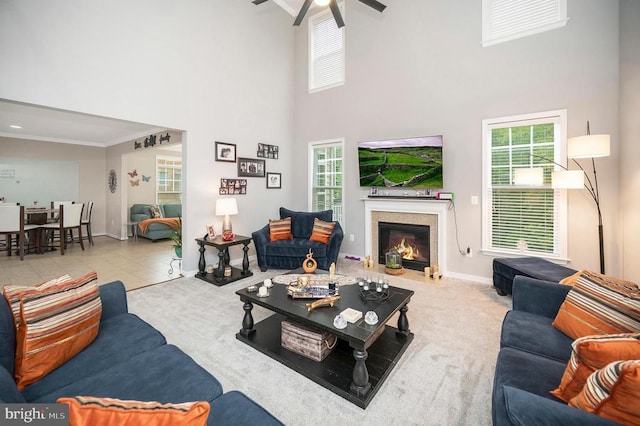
[364,355]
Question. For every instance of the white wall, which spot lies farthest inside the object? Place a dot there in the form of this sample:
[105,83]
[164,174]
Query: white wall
[630,136]
[419,69]
[91,181]
[218,69]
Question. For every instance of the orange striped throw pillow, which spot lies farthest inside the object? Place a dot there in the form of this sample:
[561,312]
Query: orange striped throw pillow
[598,304]
[90,411]
[613,392]
[280,229]
[322,231]
[13,293]
[591,353]
[56,323]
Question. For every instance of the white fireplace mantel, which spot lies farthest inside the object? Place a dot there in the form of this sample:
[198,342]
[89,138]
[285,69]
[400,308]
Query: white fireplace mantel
[410,205]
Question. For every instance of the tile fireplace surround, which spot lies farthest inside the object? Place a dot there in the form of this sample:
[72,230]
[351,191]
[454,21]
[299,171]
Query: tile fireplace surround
[412,211]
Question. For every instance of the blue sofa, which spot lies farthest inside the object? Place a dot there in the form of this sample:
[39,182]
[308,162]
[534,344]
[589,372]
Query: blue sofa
[532,359]
[155,231]
[289,254]
[129,359]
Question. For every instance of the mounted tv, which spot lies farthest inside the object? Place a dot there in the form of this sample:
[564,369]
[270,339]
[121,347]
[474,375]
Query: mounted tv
[408,163]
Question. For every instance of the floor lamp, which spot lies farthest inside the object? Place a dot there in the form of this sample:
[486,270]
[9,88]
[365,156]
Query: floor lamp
[589,146]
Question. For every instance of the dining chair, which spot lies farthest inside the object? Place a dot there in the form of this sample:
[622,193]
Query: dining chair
[12,223]
[70,218]
[86,220]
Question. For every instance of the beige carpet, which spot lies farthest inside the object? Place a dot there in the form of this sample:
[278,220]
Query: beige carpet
[444,378]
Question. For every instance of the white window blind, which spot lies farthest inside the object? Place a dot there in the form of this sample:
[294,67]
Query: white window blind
[504,20]
[326,178]
[326,52]
[523,219]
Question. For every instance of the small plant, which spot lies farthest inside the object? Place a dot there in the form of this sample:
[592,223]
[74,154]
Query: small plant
[176,235]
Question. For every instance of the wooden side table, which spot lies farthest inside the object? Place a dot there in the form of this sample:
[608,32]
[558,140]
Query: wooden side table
[217,277]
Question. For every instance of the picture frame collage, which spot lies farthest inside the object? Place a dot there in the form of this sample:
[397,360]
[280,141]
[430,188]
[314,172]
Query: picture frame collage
[247,167]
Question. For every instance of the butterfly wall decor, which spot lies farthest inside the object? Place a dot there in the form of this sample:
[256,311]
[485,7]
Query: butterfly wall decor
[146,178]
[135,182]
[133,174]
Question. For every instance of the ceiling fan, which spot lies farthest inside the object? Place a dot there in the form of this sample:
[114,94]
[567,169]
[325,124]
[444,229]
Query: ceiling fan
[333,5]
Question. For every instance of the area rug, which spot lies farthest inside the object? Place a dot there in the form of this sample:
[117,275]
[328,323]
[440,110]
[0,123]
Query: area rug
[444,378]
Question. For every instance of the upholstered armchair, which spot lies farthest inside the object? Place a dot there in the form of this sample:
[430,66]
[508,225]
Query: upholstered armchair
[290,253]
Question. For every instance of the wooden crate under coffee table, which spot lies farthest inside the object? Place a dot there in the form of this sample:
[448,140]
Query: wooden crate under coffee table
[364,355]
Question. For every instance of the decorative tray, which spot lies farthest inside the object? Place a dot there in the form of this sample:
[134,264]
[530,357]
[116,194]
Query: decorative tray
[320,280]
[312,292]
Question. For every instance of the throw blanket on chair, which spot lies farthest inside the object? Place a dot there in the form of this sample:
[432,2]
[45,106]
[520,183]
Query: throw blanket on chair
[171,222]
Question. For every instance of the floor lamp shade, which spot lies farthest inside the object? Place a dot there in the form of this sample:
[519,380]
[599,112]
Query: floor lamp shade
[589,146]
[567,179]
[529,176]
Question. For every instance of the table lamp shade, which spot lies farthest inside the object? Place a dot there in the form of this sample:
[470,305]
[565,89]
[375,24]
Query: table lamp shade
[528,176]
[589,146]
[226,206]
[567,179]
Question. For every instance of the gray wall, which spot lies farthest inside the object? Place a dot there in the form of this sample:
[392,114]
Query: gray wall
[630,136]
[419,69]
[217,69]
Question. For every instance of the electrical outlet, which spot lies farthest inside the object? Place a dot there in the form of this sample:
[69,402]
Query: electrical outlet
[469,252]
[352,237]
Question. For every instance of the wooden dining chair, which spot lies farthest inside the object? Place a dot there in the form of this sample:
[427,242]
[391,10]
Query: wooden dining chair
[86,220]
[70,218]
[12,223]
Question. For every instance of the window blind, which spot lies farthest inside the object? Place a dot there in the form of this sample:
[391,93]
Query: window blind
[523,219]
[505,20]
[326,52]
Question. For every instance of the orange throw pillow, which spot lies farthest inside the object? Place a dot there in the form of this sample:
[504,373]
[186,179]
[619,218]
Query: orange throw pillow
[598,304]
[280,229]
[13,293]
[322,231]
[613,392]
[56,323]
[592,353]
[91,411]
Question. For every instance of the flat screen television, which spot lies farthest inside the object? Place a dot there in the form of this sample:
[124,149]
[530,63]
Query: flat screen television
[412,162]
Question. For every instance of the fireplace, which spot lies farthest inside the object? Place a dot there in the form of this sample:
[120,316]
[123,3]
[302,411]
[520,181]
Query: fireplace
[411,241]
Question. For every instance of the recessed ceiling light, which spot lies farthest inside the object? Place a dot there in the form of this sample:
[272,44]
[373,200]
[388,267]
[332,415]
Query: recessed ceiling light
[15,126]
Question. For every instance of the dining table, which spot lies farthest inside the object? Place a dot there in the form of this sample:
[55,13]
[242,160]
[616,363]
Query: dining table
[38,216]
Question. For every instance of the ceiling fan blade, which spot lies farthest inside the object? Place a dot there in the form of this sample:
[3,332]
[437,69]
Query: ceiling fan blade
[303,11]
[257,2]
[374,4]
[336,13]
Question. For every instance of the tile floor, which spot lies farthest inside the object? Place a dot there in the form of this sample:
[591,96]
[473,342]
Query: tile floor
[135,263]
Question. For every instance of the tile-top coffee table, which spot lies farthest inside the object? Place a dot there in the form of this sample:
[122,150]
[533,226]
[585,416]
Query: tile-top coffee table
[364,355]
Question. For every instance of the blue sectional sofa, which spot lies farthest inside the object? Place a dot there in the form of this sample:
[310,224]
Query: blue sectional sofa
[532,359]
[155,231]
[129,359]
[289,254]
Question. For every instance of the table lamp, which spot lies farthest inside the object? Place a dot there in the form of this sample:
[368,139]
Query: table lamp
[226,207]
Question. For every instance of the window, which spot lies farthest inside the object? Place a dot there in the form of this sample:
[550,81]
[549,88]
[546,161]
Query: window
[504,20]
[326,52]
[524,219]
[169,182]
[326,178]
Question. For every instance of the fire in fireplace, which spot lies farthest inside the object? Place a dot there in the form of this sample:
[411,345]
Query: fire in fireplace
[411,241]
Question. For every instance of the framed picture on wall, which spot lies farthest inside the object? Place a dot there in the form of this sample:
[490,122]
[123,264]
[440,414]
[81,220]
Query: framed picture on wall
[250,167]
[225,152]
[274,180]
